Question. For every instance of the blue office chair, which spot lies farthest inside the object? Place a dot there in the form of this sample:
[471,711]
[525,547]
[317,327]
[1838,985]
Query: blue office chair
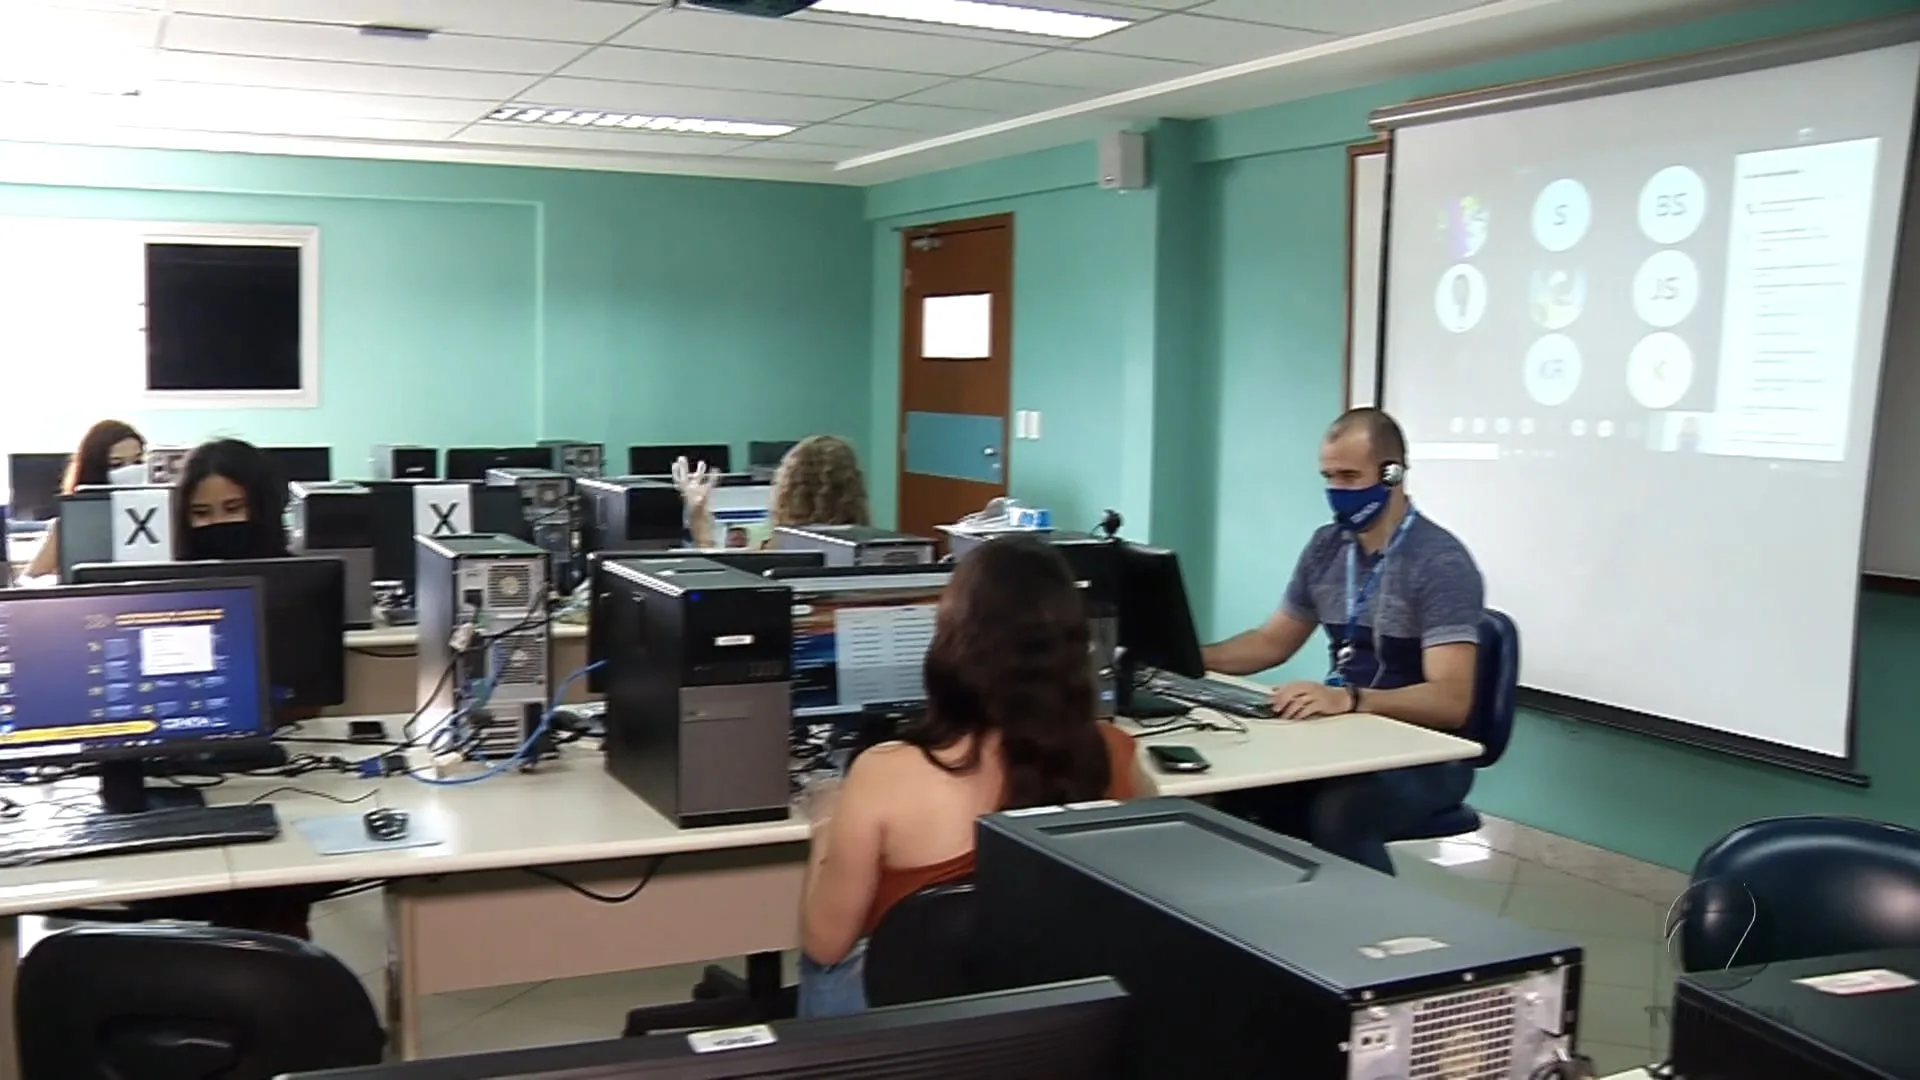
[1496,681]
[1795,887]
[187,1003]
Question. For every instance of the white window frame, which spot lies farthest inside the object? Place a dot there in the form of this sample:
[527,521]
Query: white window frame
[304,237]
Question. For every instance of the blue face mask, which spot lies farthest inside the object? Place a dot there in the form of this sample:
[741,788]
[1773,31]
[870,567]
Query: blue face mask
[1354,509]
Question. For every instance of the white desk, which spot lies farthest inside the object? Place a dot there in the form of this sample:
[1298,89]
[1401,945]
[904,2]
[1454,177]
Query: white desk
[464,915]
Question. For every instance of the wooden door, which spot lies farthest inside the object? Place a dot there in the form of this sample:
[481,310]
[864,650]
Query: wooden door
[956,369]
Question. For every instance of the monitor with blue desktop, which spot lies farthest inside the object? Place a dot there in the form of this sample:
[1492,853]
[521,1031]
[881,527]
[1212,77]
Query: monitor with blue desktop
[860,637]
[116,673]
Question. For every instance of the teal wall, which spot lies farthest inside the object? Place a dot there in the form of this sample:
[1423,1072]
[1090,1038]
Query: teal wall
[1230,276]
[477,305]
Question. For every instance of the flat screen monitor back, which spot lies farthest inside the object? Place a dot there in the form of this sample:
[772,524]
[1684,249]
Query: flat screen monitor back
[658,460]
[1156,622]
[768,454]
[302,464]
[303,598]
[1070,1031]
[33,485]
[472,462]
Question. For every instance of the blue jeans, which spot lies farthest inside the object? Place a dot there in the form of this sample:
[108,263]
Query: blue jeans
[1354,816]
[834,989]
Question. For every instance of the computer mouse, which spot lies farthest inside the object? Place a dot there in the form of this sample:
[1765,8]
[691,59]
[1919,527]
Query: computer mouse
[383,824]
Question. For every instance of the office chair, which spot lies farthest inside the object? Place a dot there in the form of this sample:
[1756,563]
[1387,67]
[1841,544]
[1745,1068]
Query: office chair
[1795,887]
[187,1003]
[923,949]
[722,999]
[1496,679]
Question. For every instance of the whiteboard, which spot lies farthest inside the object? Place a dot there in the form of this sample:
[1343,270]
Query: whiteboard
[1366,237]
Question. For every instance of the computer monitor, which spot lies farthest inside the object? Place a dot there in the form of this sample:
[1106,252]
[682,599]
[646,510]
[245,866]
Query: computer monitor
[116,673]
[1156,623]
[403,509]
[658,460]
[303,598]
[860,637]
[753,562]
[768,454]
[302,464]
[33,486]
[1067,1031]
[472,462]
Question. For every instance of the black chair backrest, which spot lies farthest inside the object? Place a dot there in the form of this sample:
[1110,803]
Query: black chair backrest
[1796,887]
[186,1003]
[923,949]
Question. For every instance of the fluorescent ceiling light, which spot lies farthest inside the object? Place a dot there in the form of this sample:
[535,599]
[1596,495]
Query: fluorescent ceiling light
[598,118]
[980,15]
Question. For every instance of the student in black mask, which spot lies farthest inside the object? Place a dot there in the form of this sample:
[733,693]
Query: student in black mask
[230,503]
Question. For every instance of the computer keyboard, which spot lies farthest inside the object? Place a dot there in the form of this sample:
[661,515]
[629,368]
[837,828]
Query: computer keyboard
[126,834]
[1230,698]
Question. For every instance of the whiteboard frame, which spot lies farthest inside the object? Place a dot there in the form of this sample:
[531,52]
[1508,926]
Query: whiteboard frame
[1366,270]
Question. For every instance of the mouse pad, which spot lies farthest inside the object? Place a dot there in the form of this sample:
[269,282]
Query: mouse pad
[346,834]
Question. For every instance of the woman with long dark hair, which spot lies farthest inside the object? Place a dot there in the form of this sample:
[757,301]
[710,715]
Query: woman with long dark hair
[1010,723]
[229,503]
[107,445]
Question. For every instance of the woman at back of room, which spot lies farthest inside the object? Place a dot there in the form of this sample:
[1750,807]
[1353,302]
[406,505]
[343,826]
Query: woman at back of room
[107,445]
[1010,723]
[230,503]
[819,482]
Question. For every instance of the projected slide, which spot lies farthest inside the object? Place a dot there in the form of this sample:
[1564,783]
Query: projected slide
[1635,342]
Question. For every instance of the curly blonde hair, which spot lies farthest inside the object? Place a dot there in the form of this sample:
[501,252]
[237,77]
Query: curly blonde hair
[820,483]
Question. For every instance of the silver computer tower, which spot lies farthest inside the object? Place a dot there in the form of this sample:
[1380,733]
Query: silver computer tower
[484,639]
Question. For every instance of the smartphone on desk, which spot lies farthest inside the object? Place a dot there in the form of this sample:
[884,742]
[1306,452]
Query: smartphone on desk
[1178,759]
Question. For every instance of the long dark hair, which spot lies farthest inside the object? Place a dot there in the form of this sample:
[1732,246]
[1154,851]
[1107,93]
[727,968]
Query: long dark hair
[89,465]
[254,473]
[1010,655]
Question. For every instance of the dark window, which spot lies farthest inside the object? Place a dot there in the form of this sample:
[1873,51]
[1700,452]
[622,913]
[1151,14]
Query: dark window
[223,317]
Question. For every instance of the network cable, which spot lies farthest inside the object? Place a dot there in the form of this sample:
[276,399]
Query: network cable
[527,747]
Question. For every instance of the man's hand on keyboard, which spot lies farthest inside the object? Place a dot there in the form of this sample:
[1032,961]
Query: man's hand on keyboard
[1304,700]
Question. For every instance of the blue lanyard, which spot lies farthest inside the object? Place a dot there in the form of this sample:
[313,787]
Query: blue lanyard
[1357,601]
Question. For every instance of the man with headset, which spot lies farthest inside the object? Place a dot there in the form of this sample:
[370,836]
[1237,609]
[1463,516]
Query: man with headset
[1400,600]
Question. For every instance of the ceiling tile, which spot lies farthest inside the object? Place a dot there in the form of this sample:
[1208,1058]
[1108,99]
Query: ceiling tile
[307,41]
[1335,16]
[1203,41]
[813,42]
[684,101]
[783,150]
[209,100]
[736,73]
[538,20]
[1095,71]
[323,75]
[997,95]
[925,119]
[563,137]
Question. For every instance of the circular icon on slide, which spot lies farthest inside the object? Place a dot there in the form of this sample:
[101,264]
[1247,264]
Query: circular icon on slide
[1561,214]
[1464,223]
[1461,298]
[1659,370]
[1673,202]
[1555,297]
[1666,287]
[1553,369]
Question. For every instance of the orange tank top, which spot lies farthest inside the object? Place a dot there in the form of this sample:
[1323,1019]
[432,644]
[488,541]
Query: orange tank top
[896,884]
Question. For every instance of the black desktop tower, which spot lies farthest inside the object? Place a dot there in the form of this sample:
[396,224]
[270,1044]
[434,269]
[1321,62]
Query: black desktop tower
[1834,1018]
[335,519]
[1254,955]
[699,689]
[549,517]
[580,460]
[856,545]
[404,463]
[630,513]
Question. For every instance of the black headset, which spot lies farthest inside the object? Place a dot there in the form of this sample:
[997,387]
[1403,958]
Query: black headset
[1392,473]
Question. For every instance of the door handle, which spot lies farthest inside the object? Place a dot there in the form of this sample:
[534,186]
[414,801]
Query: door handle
[989,451]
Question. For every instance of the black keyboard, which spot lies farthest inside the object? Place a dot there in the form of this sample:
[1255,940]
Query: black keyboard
[1230,698]
[126,834]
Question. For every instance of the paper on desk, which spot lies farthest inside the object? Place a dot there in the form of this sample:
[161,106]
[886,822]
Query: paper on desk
[346,834]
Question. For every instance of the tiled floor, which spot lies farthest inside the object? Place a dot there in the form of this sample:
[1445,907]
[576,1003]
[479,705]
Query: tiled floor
[1614,906]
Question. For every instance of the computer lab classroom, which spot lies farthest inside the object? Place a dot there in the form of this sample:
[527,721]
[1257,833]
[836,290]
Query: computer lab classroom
[555,538]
